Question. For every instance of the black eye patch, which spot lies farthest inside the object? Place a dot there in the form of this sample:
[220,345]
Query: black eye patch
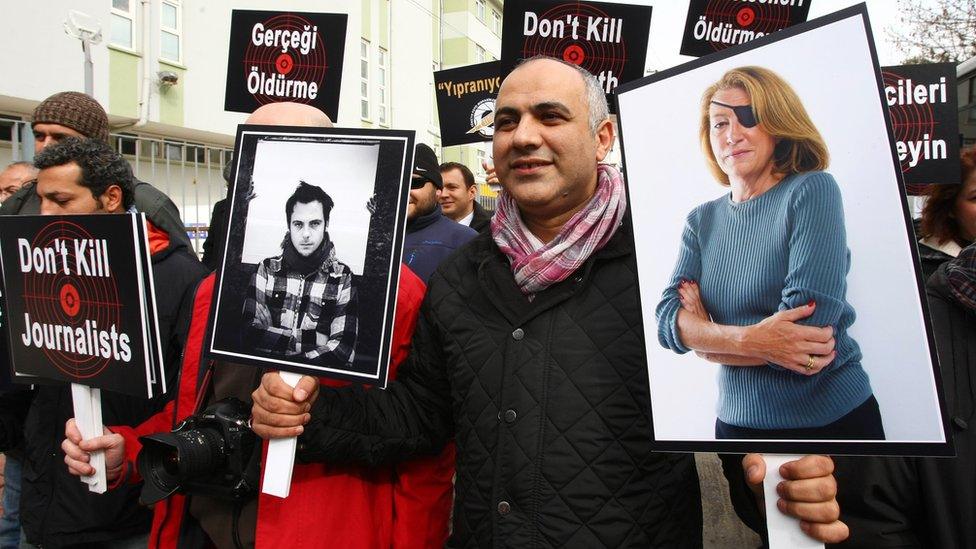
[743,112]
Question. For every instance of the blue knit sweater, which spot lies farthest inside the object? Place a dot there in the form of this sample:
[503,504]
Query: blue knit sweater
[776,251]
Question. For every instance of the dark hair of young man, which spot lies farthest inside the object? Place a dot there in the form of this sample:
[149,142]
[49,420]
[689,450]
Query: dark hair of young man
[101,167]
[306,194]
[465,172]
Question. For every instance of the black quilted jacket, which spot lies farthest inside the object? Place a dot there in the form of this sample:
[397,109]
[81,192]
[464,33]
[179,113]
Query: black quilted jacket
[547,402]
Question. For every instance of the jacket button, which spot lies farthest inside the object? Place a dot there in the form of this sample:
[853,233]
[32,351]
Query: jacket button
[518,334]
[510,416]
[504,508]
[960,422]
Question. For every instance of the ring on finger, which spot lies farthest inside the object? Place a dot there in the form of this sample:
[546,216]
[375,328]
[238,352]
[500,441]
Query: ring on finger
[809,365]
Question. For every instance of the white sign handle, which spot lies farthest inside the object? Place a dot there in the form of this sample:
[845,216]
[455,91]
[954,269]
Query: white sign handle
[784,531]
[281,455]
[87,404]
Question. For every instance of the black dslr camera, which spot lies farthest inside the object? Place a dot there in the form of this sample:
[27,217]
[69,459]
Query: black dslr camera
[209,453]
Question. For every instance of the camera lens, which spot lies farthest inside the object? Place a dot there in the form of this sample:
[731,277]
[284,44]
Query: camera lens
[167,460]
[199,451]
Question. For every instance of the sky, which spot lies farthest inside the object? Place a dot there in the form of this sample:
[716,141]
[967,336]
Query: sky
[668,19]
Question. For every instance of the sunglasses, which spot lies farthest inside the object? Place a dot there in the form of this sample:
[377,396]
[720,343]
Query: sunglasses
[418,182]
[743,113]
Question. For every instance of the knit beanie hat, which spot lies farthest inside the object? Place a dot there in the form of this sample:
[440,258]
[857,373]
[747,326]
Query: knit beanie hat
[425,165]
[76,111]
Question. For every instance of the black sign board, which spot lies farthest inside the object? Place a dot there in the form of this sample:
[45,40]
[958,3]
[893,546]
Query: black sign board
[285,56]
[609,40]
[79,307]
[465,97]
[924,121]
[714,25]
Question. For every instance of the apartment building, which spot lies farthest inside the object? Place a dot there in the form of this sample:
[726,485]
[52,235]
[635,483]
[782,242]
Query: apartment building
[159,69]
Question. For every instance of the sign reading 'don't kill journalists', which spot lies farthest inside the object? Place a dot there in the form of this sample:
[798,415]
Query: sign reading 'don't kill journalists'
[609,40]
[466,102]
[924,121]
[79,306]
[285,56]
[714,25]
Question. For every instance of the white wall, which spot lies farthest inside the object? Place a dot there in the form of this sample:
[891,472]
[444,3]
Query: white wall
[39,59]
[412,77]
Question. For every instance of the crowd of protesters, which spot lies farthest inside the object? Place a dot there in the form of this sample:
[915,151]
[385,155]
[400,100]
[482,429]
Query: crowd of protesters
[517,412]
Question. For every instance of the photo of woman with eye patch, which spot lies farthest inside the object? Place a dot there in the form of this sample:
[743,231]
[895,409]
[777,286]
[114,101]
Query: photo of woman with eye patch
[760,284]
[784,309]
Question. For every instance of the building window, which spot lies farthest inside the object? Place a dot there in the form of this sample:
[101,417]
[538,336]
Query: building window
[381,86]
[480,168]
[480,55]
[481,10]
[123,23]
[364,78]
[496,22]
[170,31]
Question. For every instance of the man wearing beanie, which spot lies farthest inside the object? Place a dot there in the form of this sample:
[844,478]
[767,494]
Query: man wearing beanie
[431,237]
[74,114]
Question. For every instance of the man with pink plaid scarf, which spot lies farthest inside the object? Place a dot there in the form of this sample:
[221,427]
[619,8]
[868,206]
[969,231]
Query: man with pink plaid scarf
[529,352]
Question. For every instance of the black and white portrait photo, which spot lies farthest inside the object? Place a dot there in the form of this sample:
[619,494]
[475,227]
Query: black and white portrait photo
[308,279]
[783,307]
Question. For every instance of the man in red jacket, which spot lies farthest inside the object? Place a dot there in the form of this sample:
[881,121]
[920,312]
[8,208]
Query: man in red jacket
[407,505]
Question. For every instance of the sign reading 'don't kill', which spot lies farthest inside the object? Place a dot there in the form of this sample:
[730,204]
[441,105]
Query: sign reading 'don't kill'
[79,303]
[466,102]
[924,121]
[285,56]
[608,40]
[714,25]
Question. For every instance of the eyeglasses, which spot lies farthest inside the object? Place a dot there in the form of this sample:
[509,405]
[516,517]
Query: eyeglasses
[744,113]
[418,182]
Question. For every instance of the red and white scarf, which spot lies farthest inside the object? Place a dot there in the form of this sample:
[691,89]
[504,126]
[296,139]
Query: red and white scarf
[585,233]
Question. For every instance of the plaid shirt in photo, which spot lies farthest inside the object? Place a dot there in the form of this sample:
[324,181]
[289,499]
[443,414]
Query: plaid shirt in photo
[312,317]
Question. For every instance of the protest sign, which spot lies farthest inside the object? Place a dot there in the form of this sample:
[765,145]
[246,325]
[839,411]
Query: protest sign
[924,121]
[307,282]
[829,239]
[713,25]
[466,102]
[78,307]
[608,40]
[285,56]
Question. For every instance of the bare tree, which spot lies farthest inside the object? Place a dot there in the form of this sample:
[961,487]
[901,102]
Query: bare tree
[936,31]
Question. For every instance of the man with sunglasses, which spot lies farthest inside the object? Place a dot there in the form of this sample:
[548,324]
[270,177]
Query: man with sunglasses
[431,236]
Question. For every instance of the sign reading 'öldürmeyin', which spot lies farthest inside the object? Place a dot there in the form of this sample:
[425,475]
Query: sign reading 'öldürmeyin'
[924,121]
[609,40]
[466,102]
[79,305]
[285,56]
[714,25]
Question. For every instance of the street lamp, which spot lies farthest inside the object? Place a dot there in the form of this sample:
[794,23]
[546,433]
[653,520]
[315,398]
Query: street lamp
[87,29]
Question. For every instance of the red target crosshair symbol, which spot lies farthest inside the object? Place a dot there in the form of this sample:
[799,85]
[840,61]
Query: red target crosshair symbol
[766,19]
[574,54]
[909,123]
[284,64]
[745,17]
[70,300]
